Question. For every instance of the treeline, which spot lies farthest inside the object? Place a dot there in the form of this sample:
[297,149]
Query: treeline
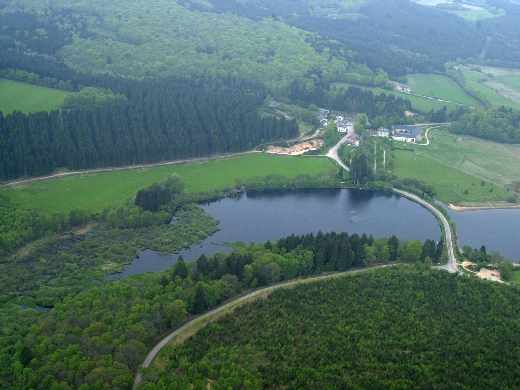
[160,120]
[383,108]
[501,125]
[98,338]
[341,251]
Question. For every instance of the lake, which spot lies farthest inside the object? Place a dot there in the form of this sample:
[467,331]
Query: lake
[263,217]
[498,230]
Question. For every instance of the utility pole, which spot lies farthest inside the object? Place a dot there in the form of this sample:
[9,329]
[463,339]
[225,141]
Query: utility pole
[375,157]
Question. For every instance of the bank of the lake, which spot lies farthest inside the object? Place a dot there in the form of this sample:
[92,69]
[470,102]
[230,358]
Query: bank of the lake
[270,216]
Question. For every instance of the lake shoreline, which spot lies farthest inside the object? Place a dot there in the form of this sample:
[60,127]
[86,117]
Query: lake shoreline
[483,206]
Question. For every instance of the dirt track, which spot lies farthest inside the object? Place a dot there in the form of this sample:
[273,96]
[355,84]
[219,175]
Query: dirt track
[124,168]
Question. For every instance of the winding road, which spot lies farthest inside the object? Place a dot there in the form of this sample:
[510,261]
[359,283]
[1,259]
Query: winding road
[333,153]
[192,327]
[452,265]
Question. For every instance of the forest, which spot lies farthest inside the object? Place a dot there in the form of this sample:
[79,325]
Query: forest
[160,120]
[391,328]
[96,336]
[399,36]
[383,109]
[500,125]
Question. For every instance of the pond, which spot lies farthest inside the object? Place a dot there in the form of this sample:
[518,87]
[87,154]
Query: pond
[263,217]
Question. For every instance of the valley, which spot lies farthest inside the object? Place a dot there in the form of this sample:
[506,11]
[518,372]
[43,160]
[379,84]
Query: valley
[259,194]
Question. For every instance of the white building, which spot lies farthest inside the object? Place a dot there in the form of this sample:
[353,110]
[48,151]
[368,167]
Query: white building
[408,134]
[382,132]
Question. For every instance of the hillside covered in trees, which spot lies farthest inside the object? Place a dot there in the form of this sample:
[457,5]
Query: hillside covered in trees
[161,120]
[94,333]
[393,328]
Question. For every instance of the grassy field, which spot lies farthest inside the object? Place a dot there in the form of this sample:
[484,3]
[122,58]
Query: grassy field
[463,170]
[493,86]
[17,96]
[516,277]
[95,192]
[468,10]
[441,87]
[418,103]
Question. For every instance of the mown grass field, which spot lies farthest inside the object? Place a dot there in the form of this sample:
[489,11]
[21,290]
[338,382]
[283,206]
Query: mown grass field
[462,170]
[441,87]
[27,98]
[494,89]
[95,192]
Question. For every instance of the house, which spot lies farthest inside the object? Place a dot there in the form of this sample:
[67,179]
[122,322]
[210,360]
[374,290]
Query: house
[382,132]
[407,133]
[402,88]
[344,125]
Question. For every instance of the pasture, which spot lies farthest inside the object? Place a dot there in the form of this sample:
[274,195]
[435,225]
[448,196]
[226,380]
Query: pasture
[461,169]
[440,87]
[28,98]
[95,192]
[495,89]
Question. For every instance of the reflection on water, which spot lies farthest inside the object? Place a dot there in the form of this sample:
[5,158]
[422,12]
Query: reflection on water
[270,216]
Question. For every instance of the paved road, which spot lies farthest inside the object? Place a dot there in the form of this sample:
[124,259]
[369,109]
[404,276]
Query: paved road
[333,153]
[452,265]
[192,327]
[427,135]
[124,168]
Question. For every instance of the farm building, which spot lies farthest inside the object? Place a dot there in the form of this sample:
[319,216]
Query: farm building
[407,133]
[382,132]
[344,125]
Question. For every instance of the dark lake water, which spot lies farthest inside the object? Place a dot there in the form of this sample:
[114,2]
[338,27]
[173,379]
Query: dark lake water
[258,218]
[498,230]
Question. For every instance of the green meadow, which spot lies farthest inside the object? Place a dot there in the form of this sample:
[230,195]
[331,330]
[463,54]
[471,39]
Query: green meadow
[28,98]
[516,278]
[419,104]
[95,192]
[492,86]
[440,87]
[462,170]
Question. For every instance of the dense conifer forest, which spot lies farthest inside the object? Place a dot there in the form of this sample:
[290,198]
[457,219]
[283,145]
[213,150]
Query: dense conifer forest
[397,328]
[161,120]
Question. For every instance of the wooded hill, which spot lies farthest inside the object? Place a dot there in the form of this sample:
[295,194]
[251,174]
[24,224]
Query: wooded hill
[160,120]
[394,328]
[98,332]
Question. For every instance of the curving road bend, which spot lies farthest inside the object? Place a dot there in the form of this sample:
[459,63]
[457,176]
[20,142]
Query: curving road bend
[192,327]
[452,265]
[333,153]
